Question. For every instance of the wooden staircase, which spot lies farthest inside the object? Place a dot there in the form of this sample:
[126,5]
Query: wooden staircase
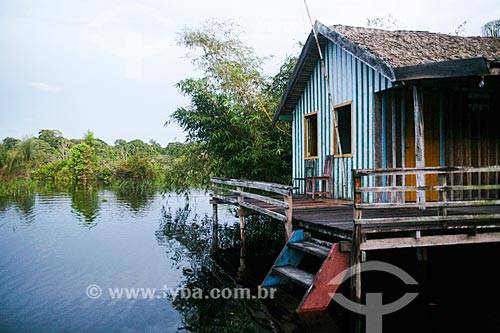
[288,269]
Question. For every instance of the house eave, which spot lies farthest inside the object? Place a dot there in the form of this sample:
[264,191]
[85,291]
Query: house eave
[444,69]
[308,60]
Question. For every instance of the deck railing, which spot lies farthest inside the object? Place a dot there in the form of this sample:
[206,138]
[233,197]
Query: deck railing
[450,197]
[239,192]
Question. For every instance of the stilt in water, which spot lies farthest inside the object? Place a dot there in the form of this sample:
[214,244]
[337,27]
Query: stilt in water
[243,236]
[215,225]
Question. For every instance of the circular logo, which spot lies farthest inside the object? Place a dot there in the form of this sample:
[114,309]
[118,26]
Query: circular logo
[93,291]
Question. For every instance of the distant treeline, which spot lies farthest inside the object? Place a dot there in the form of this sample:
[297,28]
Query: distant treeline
[50,157]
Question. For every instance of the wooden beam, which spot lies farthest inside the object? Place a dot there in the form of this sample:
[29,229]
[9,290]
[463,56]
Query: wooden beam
[425,219]
[426,170]
[255,208]
[269,187]
[412,242]
[433,204]
[418,113]
[443,69]
[448,188]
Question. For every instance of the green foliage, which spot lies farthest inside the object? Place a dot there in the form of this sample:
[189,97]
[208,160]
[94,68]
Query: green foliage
[52,137]
[50,158]
[228,118]
[136,169]
[10,142]
[57,171]
[26,149]
[187,168]
[82,164]
[16,188]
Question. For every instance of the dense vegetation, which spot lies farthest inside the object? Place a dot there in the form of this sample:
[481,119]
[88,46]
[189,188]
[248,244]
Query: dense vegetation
[50,157]
[228,121]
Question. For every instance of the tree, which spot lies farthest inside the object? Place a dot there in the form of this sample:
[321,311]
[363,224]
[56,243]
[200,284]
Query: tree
[52,137]
[228,116]
[89,138]
[491,29]
[82,164]
[137,169]
[10,142]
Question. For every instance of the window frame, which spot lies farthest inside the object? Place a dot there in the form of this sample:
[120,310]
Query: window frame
[335,109]
[306,141]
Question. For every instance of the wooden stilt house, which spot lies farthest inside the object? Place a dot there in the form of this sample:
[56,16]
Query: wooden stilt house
[412,121]
[382,82]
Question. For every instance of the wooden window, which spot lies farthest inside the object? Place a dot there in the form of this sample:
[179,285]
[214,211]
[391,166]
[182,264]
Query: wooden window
[343,113]
[311,135]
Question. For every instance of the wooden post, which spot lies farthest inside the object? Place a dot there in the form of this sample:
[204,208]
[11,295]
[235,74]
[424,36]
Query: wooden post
[243,234]
[356,242]
[215,219]
[288,212]
[443,196]
[418,112]
[215,227]
[394,195]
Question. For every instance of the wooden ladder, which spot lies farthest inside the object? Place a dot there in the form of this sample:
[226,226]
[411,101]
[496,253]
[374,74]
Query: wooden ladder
[319,290]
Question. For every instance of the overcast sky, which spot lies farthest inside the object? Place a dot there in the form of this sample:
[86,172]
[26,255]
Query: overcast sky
[110,66]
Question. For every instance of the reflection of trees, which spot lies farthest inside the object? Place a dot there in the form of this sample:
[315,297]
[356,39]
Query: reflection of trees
[135,201]
[85,205]
[23,204]
[194,234]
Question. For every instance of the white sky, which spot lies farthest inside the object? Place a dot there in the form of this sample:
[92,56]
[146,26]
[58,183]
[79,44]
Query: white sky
[110,66]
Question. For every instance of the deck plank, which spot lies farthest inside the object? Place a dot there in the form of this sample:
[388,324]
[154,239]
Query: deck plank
[299,276]
[335,217]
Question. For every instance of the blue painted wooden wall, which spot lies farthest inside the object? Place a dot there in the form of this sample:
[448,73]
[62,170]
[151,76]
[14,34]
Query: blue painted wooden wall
[350,80]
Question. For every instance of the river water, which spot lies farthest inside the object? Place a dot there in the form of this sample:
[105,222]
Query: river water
[65,257]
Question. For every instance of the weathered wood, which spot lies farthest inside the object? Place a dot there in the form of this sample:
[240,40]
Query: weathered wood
[289,214]
[320,294]
[269,200]
[426,170]
[443,69]
[269,187]
[381,220]
[419,139]
[296,275]
[427,188]
[345,246]
[255,208]
[311,248]
[411,242]
[355,263]
[448,204]
[443,196]
[243,234]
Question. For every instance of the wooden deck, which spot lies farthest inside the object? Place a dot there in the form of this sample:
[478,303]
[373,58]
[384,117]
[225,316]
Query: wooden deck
[335,218]
[380,217]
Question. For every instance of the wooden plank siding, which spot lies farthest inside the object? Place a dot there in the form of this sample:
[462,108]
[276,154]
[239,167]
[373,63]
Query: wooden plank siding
[350,80]
[460,130]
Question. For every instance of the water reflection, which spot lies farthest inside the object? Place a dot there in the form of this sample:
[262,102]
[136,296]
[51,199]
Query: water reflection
[23,205]
[217,270]
[85,206]
[136,202]
[86,203]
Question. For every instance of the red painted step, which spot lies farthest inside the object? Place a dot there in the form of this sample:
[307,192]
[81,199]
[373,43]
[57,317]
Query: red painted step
[318,296]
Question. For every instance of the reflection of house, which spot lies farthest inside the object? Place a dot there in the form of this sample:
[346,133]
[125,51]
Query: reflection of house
[377,78]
